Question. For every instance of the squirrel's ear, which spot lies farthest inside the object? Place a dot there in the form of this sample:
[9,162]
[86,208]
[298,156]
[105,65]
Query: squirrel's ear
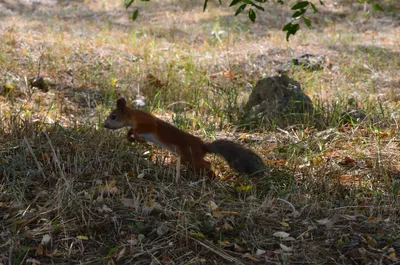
[121,104]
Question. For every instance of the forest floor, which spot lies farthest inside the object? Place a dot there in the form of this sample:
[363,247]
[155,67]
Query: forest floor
[72,192]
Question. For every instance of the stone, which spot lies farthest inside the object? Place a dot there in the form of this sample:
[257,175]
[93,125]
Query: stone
[275,96]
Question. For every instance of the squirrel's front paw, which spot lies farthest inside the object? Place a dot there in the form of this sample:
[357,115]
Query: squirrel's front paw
[132,137]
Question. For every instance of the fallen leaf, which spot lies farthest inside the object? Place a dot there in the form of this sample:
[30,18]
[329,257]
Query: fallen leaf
[167,261]
[348,180]
[349,217]
[243,136]
[44,157]
[251,198]
[276,163]
[149,203]
[383,134]
[395,168]
[317,161]
[324,221]
[333,154]
[369,164]
[113,82]
[344,128]
[154,81]
[212,205]
[281,234]
[226,213]
[228,74]
[246,188]
[249,256]
[289,238]
[162,229]
[260,252]
[284,224]
[133,242]
[238,248]
[46,239]
[82,237]
[371,242]
[348,161]
[121,253]
[286,248]
[105,209]
[110,188]
[224,242]
[392,257]
[39,250]
[32,261]
[226,226]
[128,202]
[198,235]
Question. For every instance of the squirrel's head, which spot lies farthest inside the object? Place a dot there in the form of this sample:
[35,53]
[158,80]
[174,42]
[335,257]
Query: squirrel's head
[117,118]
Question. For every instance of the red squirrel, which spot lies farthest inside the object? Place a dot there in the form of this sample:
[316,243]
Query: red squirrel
[190,148]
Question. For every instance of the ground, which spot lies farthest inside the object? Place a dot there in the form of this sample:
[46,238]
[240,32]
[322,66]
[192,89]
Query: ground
[73,192]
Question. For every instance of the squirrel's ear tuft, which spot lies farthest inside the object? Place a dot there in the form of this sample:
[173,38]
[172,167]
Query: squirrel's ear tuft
[121,103]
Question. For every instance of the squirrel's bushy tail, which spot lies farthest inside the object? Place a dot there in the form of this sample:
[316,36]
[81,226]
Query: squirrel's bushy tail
[238,157]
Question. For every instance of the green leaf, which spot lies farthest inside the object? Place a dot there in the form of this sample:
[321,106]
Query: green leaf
[205,5]
[258,7]
[287,26]
[300,5]
[139,225]
[240,9]
[377,7]
[234,2]
[246,188]
[281,2]
[291,29]
[321,3]
[128,4]
[247,2]
[307,22]
[3,58]
[198,235]
[299,13]
[135,14]
[261,1]
[314,8]
[111,253]
[252,15]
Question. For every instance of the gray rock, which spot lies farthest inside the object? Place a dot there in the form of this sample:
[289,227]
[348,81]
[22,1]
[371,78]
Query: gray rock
[275,96]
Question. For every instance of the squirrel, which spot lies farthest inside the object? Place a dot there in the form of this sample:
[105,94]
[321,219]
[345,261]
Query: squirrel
[190,148]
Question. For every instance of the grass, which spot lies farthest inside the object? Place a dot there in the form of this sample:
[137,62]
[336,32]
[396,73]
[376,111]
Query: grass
[73,192]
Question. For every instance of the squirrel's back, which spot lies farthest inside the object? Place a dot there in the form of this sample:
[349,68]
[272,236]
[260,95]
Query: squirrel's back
[238,157]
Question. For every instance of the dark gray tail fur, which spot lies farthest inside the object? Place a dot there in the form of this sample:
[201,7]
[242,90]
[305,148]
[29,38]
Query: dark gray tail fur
[238,157]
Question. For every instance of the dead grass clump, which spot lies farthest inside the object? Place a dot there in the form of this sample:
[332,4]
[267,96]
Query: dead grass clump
[69,198]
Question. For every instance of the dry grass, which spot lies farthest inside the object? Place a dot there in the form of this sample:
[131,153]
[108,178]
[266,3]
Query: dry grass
[93,198]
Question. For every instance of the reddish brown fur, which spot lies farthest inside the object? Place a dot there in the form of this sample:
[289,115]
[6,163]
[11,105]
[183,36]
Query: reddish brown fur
[191,148]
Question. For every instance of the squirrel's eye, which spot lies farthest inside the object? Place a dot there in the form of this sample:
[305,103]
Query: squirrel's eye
[113,117]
